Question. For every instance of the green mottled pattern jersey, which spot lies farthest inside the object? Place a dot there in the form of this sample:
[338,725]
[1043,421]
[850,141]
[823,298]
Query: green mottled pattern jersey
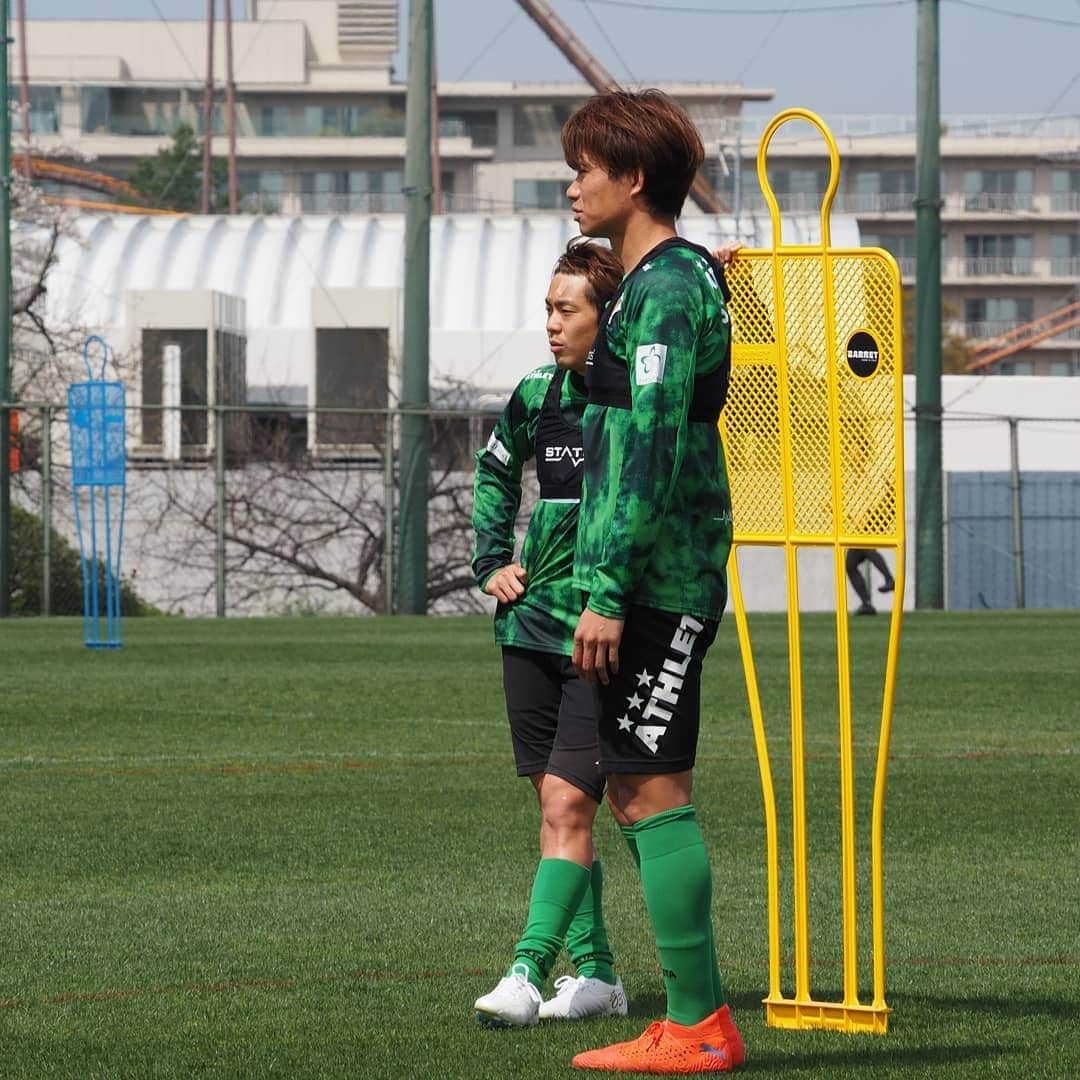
[655,524]
[545,617]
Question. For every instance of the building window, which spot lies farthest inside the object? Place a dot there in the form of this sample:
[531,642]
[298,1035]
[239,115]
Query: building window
[1065,190]
[326,120]
[1060,367]
[94,102]
[350,372]
[273,120]
[883,191]
[192,388]
[481,126]
[366,191]
[352,120]
[997,254]
[901,246]
[988,316]
[540,194]
[541,125]
[261,192]
[998,189]
[44,110]
[114,111]
[797,190]
[1065,255]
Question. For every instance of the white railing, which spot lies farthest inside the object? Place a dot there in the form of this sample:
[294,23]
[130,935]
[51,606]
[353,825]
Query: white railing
[986,329]
[1066,266]
[876,203]
[990,266]
[907,266]
[960,126]
[994,202]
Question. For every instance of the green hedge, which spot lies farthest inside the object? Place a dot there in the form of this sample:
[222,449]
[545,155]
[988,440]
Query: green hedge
[65,576]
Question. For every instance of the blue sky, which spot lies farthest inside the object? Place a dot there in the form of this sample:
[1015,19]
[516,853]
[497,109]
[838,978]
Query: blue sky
[997,56]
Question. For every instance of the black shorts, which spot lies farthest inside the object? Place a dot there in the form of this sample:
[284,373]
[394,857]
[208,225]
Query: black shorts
[552,719]
[650,711]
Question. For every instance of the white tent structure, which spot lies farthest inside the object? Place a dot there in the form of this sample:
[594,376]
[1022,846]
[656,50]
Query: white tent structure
[488,280]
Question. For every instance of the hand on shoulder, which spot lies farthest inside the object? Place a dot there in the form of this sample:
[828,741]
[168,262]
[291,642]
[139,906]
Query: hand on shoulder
[725,253]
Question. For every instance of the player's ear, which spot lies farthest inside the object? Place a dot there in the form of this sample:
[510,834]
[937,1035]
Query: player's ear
[638,184]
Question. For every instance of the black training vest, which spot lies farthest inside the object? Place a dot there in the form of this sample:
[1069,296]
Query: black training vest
[559,453]
[608,379]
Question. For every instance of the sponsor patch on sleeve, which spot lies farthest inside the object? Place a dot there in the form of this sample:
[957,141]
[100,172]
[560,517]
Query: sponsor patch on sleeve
[649,363]
[495,447]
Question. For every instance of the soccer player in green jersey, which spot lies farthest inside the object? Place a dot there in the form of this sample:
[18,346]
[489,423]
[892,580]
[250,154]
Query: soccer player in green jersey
[552,712]
[654,533]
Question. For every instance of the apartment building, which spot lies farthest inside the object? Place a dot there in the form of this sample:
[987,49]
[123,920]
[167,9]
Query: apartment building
[320,116]
[320,121]
[1010,213]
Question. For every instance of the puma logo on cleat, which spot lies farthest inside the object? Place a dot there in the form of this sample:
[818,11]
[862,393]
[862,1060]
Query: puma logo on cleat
[722,1053]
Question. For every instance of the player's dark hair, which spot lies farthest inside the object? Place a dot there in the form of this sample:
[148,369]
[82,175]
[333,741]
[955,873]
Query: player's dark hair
[623,132]
[598,265]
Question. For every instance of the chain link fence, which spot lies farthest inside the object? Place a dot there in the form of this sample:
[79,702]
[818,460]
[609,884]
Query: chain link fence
[252,511]
[265,510]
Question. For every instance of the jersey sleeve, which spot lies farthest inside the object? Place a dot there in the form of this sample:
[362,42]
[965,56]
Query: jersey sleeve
[663,323]
[497,486]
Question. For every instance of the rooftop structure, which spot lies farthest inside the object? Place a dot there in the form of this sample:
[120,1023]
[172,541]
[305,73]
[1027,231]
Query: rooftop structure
[320,118]
[1010,213]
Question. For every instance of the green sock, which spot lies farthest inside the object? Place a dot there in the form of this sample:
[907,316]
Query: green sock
[556,895]
[677,882]
[587,940]
[718,987]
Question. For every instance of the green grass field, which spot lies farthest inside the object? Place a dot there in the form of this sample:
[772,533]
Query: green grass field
[297,848]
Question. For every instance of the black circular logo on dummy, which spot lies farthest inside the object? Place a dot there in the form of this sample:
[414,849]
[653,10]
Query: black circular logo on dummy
[862,354]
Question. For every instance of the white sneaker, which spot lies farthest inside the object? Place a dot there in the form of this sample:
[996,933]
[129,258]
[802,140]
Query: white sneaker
[583,998]
[515,1002]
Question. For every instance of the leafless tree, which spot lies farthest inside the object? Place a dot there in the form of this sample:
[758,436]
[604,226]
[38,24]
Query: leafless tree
[303,532]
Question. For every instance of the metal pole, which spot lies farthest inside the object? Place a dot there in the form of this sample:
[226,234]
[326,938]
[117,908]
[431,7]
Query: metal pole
[929,517]
[436,160]
[208,106]
[6,569]
[1017,509]
[388,515]
[230,106]
[46,510]
[415,388]
[738,176]
[24,90]
[219,507]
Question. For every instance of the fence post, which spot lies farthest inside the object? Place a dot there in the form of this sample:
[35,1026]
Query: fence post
[388,514]
[46,510]
[1017,511]
[219,507]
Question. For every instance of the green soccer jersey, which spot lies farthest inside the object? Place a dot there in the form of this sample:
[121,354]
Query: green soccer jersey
[545,617]
[655,521]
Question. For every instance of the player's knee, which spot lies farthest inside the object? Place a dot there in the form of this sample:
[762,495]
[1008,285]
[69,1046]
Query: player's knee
[570,810]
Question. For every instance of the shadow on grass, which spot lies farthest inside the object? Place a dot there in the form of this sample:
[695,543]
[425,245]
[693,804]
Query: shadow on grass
[1011,1008]
[876,1055]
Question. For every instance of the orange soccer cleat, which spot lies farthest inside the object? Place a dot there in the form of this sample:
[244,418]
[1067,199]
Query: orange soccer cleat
[712,1045]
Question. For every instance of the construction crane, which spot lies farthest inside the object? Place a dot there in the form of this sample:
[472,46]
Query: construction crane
[43,169]
[600,79]
[84,178]
[993,350]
